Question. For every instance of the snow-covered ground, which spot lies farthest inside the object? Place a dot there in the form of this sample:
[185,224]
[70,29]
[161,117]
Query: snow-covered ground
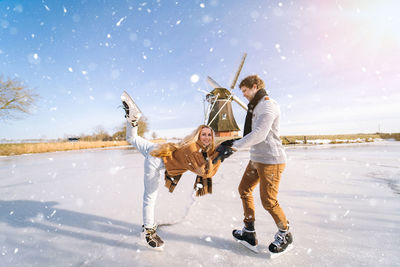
[83,208]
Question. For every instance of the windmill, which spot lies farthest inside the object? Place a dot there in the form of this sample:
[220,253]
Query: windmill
[218,114]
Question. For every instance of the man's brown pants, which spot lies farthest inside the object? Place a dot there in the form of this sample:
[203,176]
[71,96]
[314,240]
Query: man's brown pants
[268,175]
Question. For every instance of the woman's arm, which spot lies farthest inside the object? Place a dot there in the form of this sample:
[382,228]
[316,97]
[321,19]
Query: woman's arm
[196,163]
[212,168]
[199,164]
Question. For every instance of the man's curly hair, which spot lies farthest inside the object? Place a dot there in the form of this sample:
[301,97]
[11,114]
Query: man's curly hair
[249,81]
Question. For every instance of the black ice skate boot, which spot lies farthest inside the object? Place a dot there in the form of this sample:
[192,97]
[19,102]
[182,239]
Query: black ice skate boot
[282,243]
[149,235]
[132,111]
[247,236]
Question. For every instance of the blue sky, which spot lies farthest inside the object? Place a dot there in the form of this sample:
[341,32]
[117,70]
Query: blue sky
[332,65]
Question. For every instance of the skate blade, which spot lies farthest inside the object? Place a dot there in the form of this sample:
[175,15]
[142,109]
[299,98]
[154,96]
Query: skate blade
[134,111]
[127,98]
[273,255]
[144,242]
[247,245]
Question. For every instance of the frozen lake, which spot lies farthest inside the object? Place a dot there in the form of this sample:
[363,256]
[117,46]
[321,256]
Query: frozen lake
[83,208]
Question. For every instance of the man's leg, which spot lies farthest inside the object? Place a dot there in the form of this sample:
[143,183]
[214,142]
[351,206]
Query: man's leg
[247,236]
[249,181]
[270,176]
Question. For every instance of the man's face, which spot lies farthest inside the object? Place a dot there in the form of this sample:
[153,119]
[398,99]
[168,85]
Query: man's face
[249,93]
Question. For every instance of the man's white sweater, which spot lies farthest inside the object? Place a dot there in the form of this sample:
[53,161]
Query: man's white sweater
[264,142]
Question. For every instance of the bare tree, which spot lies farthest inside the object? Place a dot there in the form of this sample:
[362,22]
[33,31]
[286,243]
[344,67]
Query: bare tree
[100,134]
[143,126]
[120,133]
[15,98]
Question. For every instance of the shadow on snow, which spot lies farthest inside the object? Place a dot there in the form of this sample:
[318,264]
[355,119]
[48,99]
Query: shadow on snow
[46,217]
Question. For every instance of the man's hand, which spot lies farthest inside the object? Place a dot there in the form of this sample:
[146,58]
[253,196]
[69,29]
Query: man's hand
[229,142]
[224,152]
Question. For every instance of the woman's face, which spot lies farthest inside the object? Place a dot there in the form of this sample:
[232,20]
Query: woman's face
[205,136]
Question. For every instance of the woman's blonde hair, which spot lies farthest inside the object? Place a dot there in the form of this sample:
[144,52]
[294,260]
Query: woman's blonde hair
[165,150]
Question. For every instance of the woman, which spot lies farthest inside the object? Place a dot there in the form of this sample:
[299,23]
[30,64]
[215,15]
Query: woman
[194,153]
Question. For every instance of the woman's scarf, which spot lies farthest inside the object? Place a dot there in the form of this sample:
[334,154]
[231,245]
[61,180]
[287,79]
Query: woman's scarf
[202,186]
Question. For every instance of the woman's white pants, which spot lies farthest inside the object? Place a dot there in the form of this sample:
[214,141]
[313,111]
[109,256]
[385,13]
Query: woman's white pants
[153,172]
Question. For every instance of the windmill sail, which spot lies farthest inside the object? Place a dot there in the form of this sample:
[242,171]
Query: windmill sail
[238,71]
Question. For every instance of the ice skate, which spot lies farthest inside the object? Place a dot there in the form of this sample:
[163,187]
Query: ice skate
[247,237]
[282,243]
[132,111]
[151,239]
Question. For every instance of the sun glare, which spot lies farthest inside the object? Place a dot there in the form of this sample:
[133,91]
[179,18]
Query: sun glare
[382,19]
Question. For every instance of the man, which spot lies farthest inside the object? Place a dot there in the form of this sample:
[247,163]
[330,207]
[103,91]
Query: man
[267,162]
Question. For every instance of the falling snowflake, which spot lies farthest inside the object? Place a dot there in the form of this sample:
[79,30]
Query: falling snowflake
[34,58]
[194,78]
[120,21]
[52,214]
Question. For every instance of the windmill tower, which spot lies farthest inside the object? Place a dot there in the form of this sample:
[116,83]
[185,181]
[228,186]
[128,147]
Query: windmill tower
[219,115]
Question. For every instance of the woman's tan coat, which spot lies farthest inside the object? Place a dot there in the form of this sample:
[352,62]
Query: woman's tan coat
[190,158]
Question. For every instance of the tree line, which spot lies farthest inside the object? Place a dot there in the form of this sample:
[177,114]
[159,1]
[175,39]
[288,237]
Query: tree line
[100,134]
[16,99]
